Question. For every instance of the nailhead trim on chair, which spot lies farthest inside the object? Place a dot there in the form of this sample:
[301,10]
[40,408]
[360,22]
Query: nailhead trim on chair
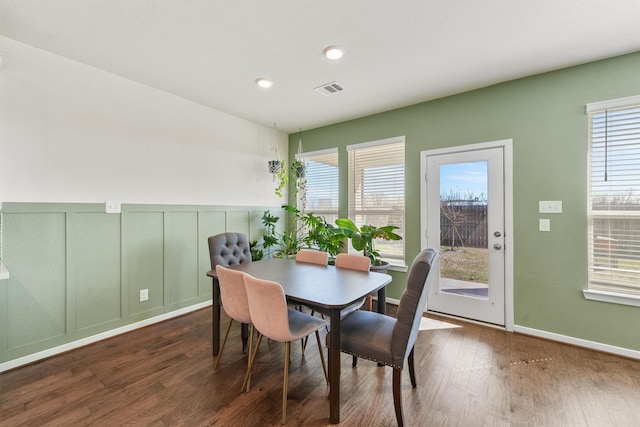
[373,360]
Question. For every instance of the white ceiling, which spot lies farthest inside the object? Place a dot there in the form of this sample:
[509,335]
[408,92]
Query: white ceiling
[397,52]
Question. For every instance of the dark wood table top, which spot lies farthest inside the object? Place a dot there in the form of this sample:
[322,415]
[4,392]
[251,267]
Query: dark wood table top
[319,285]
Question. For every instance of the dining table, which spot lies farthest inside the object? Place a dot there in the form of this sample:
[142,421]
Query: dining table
[323,287]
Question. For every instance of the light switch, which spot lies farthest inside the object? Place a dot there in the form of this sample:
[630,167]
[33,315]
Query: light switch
[545,224]
[550,206]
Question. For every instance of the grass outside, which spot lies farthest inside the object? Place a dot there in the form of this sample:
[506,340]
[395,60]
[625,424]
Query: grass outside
[469,264]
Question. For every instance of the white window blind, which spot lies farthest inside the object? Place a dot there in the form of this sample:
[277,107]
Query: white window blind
[376,191]
[320,191]
[614,196]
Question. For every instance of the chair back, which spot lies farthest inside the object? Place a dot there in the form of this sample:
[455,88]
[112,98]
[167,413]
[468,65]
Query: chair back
[312,256]
[233,294]
[268,306]
[423,269]
[227,249]
[353,262]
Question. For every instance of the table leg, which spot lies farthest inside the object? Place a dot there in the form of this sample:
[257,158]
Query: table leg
[334,368]
[382,305]
[244,332]
[382,300]
[216,317]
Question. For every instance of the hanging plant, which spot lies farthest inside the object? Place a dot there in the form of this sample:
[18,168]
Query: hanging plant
[283,179]
[299,172]
[274,168]
[299,168]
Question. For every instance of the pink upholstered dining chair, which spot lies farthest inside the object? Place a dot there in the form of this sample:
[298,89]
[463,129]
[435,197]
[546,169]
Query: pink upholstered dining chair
[354,262]
[274,319]
[236,305]
[358,263]
[312,256]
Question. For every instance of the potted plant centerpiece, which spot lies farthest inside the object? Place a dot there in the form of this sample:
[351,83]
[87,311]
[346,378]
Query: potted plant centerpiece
[305,230]
[362,239]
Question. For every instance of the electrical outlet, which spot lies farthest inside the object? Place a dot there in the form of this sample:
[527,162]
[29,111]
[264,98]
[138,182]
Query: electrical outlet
[112,207]
[144,294]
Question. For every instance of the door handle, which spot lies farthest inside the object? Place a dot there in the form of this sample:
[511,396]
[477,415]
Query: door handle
[497,246]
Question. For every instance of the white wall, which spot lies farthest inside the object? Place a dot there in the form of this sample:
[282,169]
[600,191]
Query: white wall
[73,133]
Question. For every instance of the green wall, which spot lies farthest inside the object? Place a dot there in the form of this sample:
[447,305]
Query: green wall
[76,271]
[545,116]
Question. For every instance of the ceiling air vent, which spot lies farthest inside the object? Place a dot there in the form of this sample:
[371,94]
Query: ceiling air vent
[329,88]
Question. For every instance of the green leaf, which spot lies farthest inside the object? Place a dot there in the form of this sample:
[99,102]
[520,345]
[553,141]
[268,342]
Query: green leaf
[346,223]
[358,242]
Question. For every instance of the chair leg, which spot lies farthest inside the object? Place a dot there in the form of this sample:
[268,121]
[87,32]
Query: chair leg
[412,370]
[370,302]
[324,366]
[224,341]
[354,361]
[251,360]
[327,325]
[287,351]
[397,395]
[248,373]
[307,337]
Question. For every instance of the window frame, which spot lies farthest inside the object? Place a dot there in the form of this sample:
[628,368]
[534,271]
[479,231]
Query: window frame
[301,196]
[397,263]
[601,290]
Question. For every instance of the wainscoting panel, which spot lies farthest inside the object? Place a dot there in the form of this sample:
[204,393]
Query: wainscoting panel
[76,271]
[95,242]
[143,250]
[181,256]
[34,251]
[238,222]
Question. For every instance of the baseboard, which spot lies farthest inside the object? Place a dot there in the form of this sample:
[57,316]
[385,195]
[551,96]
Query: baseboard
[25,360]
[592,345]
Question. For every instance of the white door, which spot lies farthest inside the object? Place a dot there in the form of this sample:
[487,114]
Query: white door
[464,213]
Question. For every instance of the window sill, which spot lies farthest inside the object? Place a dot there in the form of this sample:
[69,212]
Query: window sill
[398,267]
[612,297]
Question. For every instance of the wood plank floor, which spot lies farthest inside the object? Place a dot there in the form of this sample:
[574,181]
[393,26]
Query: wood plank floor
[472,375]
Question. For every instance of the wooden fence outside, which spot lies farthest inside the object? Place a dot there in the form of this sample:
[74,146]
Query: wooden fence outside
[463,225]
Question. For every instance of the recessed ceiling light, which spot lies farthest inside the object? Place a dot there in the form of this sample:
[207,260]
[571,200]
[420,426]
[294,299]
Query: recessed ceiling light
[333,52]
[265,83]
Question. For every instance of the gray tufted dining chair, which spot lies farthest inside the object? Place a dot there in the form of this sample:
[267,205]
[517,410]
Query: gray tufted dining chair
[389,340]
[227,249]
